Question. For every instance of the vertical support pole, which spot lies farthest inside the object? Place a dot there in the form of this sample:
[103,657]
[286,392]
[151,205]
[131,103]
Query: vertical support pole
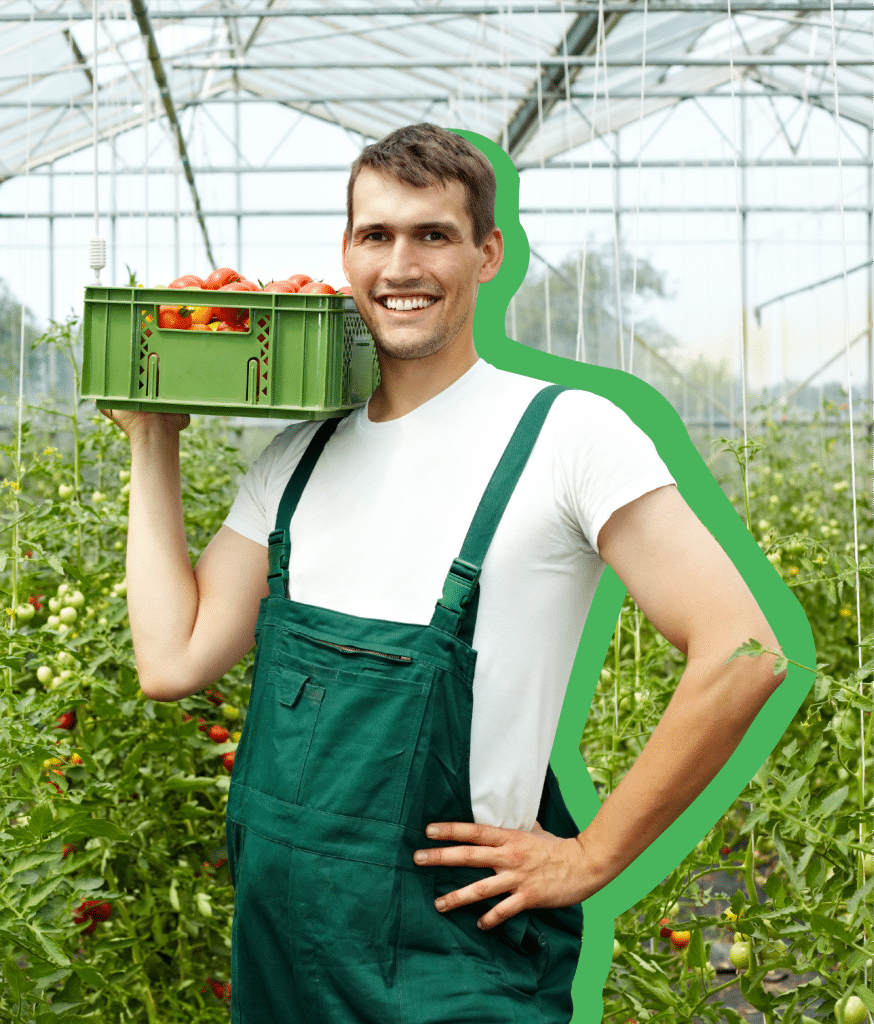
[53,352]
[870,275]
[176,270]
[620,363]
[239,193]
[113,216]
[744,238]
[52,242]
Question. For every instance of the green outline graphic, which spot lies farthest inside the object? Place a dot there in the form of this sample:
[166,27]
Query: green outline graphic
[657,418]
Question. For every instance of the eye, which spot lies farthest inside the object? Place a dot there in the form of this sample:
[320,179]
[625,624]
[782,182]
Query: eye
[374,236]
[434,236]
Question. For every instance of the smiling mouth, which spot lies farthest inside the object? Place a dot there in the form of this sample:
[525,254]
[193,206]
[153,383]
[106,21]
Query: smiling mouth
[403,303]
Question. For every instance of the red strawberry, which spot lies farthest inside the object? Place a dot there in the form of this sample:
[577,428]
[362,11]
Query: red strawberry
[202,725]
[227,990]
[66,720]
[89,929]
[218,734]
[68,849]
[664,931]
[218,988]
[214,697]
[186,717]
[725,850]
[228,760]
[679,940]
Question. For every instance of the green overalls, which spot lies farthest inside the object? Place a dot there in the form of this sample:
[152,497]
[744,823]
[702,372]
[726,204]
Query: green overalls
[357,736]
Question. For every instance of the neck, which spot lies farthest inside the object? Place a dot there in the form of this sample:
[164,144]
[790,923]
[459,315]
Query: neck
[408,383]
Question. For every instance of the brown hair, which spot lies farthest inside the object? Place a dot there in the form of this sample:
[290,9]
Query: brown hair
[424,155]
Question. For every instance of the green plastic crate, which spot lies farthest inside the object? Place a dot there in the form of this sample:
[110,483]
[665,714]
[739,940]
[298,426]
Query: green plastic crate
[303,357]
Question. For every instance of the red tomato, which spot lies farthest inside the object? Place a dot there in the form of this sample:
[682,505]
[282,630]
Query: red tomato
[218,278]
[187,281]
[299,280]
[174,318]
[280,286]
[233,316]
[317,288]
[345,290]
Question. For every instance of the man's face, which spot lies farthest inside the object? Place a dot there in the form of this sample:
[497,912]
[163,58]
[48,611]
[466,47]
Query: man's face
[413,247]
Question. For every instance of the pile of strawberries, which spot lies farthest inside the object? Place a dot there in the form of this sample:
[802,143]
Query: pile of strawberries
[220,318]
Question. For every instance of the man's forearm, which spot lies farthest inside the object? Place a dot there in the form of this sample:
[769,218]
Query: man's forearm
[708,716]
[161,588]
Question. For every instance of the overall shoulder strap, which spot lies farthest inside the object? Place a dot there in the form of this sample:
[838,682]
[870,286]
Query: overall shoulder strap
[455,612]
[279,543]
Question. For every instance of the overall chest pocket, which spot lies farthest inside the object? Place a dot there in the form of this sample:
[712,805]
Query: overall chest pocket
[361,751]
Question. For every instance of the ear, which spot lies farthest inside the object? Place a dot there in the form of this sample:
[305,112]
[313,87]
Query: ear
[493,255]
[345,256]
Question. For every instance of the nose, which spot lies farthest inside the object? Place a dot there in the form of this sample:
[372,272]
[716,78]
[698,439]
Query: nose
[403,264]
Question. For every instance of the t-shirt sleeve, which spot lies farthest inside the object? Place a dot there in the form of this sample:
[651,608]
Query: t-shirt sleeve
[603,461]
[248,514]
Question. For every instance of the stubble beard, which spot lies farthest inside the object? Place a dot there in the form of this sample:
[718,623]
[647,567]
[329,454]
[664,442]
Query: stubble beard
[419,348]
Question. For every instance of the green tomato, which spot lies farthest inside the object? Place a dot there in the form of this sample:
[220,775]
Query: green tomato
[617,948]
[97,497]
[124,475]
[44,674]
[854,1010]
[53,622]
[68,615]
[868,865]
[75,600]
[25,612]
[54,604]
[66,491]
[739,954]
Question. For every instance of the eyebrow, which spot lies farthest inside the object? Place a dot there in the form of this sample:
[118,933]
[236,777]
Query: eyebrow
[447,227]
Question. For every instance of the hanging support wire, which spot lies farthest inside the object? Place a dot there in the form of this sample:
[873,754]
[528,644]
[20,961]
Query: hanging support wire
[142,16]
[97,244]
[852,435]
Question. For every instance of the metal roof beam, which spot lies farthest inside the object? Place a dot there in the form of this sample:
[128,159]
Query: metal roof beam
[436,62]
[579,39]
[570,7]
[685,94]
[142,16]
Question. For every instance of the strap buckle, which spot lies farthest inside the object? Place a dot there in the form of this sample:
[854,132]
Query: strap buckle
[461,580]
[278,556]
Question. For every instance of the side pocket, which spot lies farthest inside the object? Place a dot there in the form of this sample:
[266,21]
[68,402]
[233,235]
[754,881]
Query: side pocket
[292,712]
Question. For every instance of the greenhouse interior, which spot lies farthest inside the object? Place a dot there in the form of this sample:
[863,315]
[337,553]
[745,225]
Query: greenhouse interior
[696,187]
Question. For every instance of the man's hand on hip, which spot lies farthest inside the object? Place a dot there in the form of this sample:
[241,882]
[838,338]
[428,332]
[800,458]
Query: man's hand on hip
[537,868]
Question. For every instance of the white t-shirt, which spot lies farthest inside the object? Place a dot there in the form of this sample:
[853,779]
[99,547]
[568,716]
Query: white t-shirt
[386,511]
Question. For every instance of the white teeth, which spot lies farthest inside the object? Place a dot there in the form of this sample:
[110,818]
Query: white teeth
[404,304]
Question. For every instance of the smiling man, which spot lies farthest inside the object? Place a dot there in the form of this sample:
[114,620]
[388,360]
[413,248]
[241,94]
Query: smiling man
[417,576]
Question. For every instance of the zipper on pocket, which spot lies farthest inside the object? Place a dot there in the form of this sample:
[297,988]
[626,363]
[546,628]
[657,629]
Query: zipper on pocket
[363,650]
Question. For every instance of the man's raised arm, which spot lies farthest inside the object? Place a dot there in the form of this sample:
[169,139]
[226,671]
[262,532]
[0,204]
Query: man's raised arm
[188,626]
